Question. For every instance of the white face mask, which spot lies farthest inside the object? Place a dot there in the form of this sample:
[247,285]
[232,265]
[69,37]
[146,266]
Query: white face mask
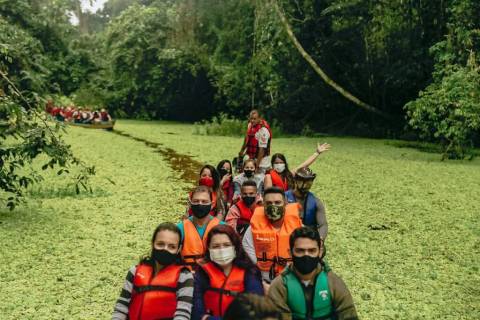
[223,256]
[279,167]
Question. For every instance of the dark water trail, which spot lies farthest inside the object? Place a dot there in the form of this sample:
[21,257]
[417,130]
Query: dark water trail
[181,163]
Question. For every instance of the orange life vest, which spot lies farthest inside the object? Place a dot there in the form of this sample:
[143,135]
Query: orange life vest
[194,247]
[223,289]
[213,210]
[272,246]
[278,181]
[252,142]
[154,297]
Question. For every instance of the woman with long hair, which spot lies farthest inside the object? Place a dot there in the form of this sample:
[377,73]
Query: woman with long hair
[210,178]
[280,175]
[225,272]
[159,287]
[224,169]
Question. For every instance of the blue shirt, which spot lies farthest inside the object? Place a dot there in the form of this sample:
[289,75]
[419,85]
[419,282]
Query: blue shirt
[200,229]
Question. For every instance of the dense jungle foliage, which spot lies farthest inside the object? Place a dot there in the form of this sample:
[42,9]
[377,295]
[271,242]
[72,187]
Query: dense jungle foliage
[402,69]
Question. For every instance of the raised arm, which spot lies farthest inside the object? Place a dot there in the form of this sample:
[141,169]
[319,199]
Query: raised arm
[321,148]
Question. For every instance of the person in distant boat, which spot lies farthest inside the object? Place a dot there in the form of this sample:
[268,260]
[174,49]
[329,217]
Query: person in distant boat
[96,117]
[257,142]
[86,116]
[281,176]
[105,116]
[159,287]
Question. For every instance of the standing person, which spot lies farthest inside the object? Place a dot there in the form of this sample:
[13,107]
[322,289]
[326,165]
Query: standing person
[280,175]
[248,174]
[224,168]
[226,272]
[194,229]
[312,210]
[239,215]
[266,240]
[158,287]
[308,289]
[210,178]
[257,142]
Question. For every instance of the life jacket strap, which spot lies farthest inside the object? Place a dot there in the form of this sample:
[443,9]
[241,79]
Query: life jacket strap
[148,288]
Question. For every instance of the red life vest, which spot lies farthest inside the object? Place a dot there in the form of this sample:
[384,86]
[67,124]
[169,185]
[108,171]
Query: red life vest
[245,213]
[252,142]
[154,297]
[223,289]
[104,115]
[194,247]
[278,181]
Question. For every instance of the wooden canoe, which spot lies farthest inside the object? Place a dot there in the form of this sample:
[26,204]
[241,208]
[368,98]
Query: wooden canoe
[101,125]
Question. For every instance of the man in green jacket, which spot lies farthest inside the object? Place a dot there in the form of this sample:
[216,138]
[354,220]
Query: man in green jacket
[308,289]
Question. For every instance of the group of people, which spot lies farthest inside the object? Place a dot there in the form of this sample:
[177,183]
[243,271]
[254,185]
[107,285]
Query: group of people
[77,115]
[248,247]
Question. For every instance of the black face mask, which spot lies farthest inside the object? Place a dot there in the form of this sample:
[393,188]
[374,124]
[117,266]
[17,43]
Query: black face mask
[223,172]
[249,173]
[305,264]
[249,200]
[164,257]
[201,210]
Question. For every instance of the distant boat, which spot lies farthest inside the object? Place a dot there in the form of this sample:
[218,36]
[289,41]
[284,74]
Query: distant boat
[99,125]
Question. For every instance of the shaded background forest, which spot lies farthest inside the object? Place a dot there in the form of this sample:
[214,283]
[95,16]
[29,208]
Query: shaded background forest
[189,60]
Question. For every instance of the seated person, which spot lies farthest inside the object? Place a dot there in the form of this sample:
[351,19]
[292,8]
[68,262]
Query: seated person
[239,215]
[308,289]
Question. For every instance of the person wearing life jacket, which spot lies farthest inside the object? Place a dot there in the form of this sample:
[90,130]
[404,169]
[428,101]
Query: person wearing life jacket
[266,239]
[195,229]
[210,178]
[281,176]
[225,273]
[249,173]
[312,210]
[105,116]
[257,142]
[224,169]
[239,215]
[159,287]
[308,289]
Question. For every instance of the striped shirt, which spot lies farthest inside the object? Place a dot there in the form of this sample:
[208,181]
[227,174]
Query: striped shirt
[184,296]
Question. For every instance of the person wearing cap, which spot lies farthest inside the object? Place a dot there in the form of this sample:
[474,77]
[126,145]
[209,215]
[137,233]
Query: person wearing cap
[312,210]
[308,288]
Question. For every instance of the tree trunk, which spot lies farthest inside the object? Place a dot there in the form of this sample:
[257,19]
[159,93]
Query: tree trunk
[319,70]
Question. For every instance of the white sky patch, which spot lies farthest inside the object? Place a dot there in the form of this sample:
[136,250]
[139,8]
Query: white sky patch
[93,5]
[87,5]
